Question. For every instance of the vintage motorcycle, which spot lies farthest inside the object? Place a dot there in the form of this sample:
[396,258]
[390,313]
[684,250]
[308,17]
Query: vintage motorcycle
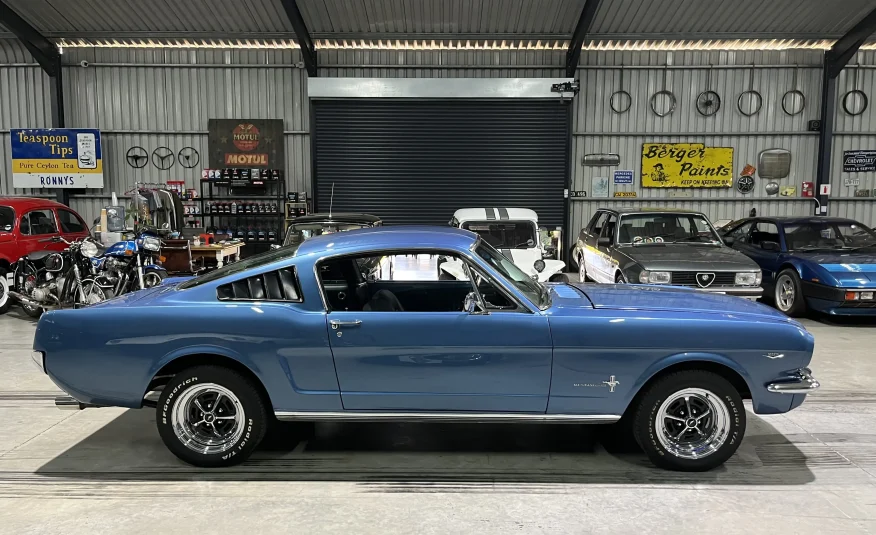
[130,265]
[46,280]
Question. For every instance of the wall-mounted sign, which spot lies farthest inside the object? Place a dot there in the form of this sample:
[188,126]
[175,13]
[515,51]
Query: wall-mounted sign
[848,181]
[599,186]
[56,158]
[807,189]
[578,194]
[824,189]
[625,194]
[686,165]
[623,177]
[788,191]
[246,143]
[862,193]
[858,161]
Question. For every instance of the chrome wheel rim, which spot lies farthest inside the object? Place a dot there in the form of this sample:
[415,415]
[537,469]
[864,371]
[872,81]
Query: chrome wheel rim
[582,272]
[692,423]
[150,280]
[94,294]
[208,419]
[785,293]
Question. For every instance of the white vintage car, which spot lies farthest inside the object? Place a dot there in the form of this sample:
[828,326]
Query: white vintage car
[514,232]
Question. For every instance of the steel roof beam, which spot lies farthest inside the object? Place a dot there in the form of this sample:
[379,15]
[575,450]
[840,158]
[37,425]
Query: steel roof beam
[305,42]
[573,54]
[847,46]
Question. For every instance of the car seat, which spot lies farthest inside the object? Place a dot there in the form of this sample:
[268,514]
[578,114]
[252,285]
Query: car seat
[384,301]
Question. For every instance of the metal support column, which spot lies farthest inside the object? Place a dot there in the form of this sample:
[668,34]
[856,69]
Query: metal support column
[308,50]
[835,61]
[49,57]
[573,54]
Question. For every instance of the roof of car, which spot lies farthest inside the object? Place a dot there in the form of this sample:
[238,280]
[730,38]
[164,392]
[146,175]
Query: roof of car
[344,217]
[399,237]
[483,214]
[628,211]
[792,220]
[24,203]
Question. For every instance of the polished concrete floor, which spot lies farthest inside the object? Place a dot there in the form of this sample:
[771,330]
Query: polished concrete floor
[106,471]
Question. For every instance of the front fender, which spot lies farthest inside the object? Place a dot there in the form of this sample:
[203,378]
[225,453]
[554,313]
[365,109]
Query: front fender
[154,267]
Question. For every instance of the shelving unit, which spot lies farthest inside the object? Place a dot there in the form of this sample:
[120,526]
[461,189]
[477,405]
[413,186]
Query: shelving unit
[252,210]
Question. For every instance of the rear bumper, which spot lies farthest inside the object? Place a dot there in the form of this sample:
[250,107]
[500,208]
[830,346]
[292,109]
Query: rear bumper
[802,382]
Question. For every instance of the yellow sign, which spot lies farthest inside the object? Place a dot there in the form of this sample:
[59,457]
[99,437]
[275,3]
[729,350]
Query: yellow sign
[686,165]
[624,193]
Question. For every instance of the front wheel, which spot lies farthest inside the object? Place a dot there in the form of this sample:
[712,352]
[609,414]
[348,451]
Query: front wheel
[4,292]
[788,294]
[690,421]
[211,416]
[93,294]
[153,278]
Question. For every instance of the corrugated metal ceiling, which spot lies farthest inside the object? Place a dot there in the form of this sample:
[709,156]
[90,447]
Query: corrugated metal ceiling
[443,19]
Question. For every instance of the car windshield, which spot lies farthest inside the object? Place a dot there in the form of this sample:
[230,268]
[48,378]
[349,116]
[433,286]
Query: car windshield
[666,228]
[533,290]
[828,235]
[303,231]
[235,268]
[505,234]
[7,218]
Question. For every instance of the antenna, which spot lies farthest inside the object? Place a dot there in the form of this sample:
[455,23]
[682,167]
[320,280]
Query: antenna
[332,200]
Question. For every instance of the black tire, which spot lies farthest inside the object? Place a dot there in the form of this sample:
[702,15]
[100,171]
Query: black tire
[573,260]
[728,417]
[5,300]
[254,420]
[796,307]
[559,277]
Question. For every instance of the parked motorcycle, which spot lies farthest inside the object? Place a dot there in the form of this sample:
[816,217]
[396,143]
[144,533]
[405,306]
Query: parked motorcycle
[130,265]
[46,280]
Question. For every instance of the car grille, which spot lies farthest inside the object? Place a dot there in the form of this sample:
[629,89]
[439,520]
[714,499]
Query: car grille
[689,278]
[858,304]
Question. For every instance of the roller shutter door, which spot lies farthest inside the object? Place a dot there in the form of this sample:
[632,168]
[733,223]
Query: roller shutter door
[416,162]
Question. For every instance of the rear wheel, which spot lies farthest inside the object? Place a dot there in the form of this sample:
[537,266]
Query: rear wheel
[574,263]
[211,416]
[690,421]
[788,295]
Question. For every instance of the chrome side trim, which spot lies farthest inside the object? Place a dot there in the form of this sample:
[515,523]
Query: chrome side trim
[355,416]
[39,358]
[804,384]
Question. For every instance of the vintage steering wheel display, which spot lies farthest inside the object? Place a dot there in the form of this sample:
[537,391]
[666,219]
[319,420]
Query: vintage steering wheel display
[137,157]
[163,158]
[708,102]
[188,157]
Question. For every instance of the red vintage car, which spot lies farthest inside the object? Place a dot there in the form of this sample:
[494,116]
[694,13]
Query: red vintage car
[25,222]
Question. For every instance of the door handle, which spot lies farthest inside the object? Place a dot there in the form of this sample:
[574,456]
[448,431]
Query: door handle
[338,323]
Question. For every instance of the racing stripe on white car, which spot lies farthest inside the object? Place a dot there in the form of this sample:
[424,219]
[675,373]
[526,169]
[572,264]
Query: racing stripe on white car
[490,213]
[503,213]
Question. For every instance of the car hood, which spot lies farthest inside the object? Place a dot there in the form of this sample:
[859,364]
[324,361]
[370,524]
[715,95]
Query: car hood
[850,269]
[687,257]
[667,298]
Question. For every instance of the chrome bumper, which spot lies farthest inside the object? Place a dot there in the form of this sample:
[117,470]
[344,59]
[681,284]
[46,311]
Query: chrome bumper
[39,358]
[746,292]
[804,384]
[72,404]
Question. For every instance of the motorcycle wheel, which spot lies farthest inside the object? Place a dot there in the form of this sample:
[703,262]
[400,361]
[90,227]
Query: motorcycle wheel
[95,294]
[32,311]
[152,279]
[4,292]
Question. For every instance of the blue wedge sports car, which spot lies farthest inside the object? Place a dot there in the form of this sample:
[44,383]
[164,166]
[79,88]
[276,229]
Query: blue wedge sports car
[827,264]
[359,326]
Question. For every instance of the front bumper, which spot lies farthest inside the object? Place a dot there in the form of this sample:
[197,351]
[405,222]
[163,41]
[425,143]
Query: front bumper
[831,300]
[746,292]
[801,382]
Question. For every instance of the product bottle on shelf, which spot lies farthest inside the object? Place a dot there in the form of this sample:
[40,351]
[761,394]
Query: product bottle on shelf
[262,234]
[233,207]
[241,233]
[251,234]
[272,236]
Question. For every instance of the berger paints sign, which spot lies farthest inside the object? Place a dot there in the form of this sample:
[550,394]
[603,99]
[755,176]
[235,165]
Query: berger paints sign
[56,158]
[686,165]
[246,143]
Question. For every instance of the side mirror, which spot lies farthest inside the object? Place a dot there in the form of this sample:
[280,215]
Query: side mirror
[729,240]
[769,246]
[603,240]
[530,242]
[472,304]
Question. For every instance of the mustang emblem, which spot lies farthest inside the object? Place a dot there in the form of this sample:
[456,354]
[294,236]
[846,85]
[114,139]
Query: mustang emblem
[704,280]
[774,356]
[612,382]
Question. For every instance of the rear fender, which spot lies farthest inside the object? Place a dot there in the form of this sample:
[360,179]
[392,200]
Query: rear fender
[206,349]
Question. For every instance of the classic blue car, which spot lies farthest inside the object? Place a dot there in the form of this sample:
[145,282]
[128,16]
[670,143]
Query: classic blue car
[359,326]
[827,264]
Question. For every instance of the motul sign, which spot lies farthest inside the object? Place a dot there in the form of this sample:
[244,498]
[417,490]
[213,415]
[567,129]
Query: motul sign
[246,143]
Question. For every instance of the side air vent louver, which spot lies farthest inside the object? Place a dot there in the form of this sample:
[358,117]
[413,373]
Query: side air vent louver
[280,285]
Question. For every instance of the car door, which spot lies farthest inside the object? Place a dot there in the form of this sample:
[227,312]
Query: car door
[605,252]
[764,247]
[36,226]
[431,361]
[592,260]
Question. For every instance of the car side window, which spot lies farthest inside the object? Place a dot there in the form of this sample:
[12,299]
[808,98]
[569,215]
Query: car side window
[740,233]
[595,226]
[70,222]
[38,222]
[764,231]
[609,227]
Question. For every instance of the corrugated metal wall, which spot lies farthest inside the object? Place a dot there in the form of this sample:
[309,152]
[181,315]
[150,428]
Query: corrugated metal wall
[163,97]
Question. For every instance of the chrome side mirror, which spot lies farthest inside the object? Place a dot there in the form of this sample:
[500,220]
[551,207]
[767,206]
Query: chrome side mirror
[472,304]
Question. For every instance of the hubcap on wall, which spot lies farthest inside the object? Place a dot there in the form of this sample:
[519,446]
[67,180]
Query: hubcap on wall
[692,423]
[208,418]
[785,293]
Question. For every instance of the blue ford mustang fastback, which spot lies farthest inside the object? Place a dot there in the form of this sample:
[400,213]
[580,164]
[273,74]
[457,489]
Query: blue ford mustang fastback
[827,264]
[359,326]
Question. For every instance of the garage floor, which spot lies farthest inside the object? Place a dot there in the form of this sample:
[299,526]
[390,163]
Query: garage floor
[106,471]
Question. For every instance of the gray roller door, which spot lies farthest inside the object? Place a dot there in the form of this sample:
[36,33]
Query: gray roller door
[416,162]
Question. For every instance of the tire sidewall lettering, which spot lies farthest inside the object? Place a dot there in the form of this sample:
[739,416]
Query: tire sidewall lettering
[170,397]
